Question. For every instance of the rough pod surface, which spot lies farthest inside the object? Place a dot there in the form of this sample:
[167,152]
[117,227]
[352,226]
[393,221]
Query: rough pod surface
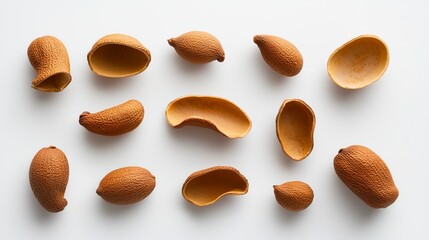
[198,47]
[295,125]
[359,62]
[126,185]
[49,175]
[280,54]
[209,112]
[50,59]
[366,174]
[116,120]
[206,186]
[118,55]
[294,196]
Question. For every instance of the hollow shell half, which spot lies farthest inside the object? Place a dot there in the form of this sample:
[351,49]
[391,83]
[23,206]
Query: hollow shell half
[206,186]
[118,55]
[359,62]
[209,112]
[295,125]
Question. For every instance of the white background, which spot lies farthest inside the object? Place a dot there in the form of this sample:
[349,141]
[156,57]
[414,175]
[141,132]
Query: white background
[390,116]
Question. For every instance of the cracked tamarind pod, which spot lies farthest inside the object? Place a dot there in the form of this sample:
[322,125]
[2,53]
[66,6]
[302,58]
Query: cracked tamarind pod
[126,185]
[198,47]
[114,121]
[50,59]
[49,175]
[281,55]
[294,196]
[366,175]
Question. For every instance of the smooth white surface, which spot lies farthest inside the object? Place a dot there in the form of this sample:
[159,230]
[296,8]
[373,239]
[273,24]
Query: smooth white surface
[390,116]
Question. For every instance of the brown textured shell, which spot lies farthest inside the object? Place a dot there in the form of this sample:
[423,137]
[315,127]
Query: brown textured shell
[198,47]
[366,174]
[118,55]
[294,196]
[215,113]
[359,62]
[280,54]
[206,186]
[49,175]
[126,185]
[295,125]
[116,120]
[50,59]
